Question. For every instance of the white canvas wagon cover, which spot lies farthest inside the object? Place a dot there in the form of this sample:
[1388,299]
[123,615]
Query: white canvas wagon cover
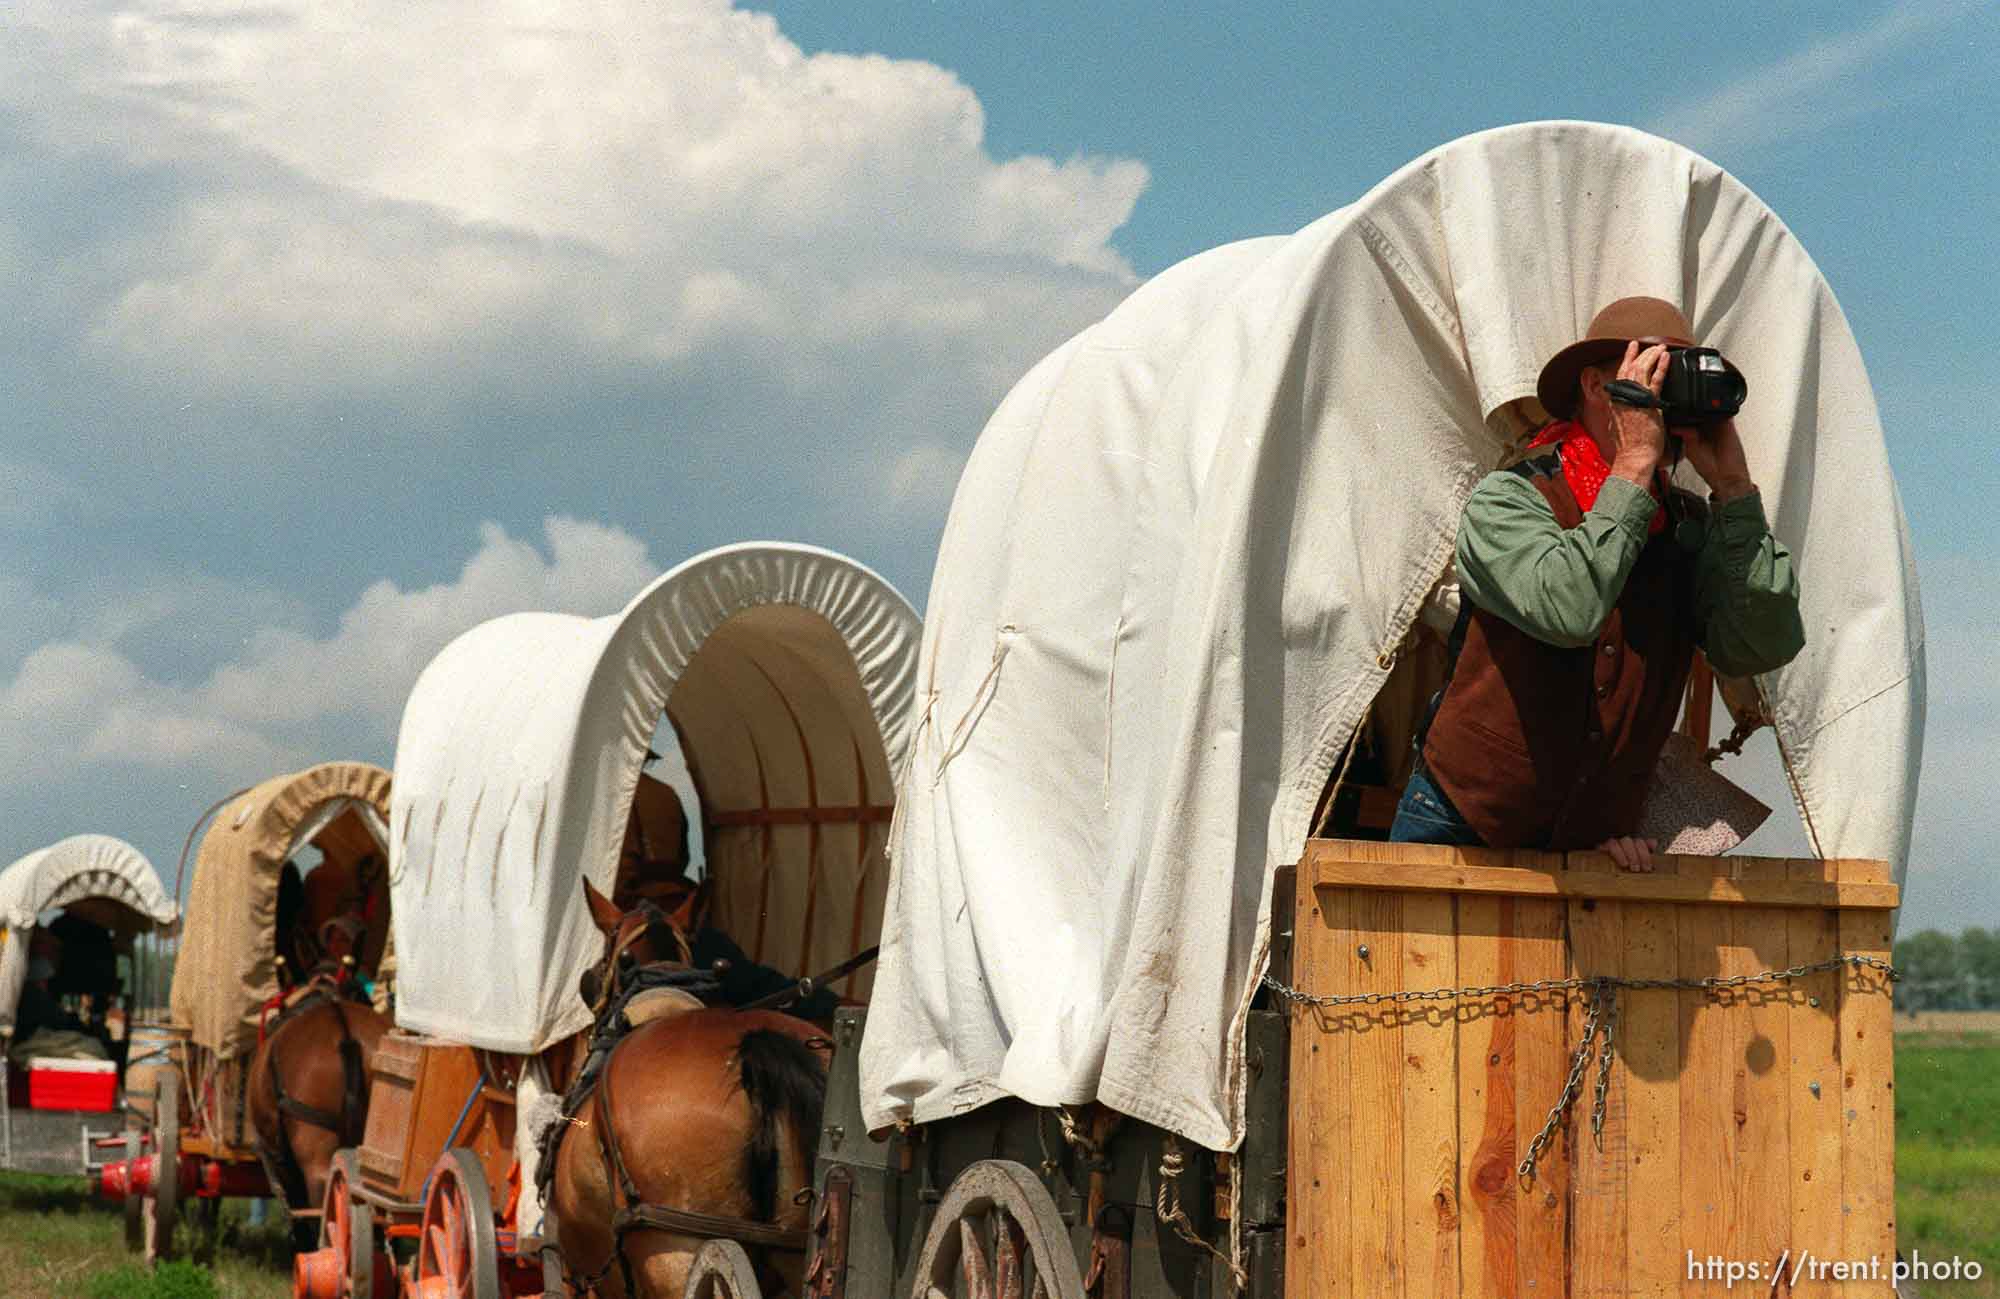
[78,871]
[786,671]
[1188,545]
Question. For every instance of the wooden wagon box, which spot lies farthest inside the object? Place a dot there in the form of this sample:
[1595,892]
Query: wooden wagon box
[1741,1126]
[425,1096]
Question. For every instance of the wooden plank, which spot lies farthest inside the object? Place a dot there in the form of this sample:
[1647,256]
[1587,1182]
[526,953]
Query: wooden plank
[1305,1147]
[1430,1099]
[1487,1234]
[1375,956]
[1698,711]
[1589,881]
[1408,1083]
[1599,1199]
[1707,1077]
[1649,1053]
[1541,1061]
[1867,1059]
[1761,1039]
[1321,1167]
[1813,1104]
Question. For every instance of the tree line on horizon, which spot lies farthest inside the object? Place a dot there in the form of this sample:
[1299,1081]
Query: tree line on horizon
[1943,972]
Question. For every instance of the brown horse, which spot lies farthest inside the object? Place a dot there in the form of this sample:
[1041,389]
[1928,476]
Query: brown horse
[307,1091]
[706,1111]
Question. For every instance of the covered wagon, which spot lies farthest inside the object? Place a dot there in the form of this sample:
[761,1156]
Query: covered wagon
[782,673]
[325,829]
[100,882]
[1152,1016]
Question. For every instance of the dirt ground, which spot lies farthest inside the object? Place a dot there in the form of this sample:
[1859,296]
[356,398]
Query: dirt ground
[1950,1023]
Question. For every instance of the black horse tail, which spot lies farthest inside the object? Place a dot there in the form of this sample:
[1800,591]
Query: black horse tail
[783,1079]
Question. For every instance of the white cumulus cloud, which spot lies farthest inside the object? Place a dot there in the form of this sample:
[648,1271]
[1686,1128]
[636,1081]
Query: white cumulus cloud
[644,179]
[74,704]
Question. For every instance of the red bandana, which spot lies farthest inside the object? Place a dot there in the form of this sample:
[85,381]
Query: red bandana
[1583,465]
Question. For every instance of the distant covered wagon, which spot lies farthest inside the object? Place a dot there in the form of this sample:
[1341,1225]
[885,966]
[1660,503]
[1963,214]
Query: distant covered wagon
[95,880]
[324,829]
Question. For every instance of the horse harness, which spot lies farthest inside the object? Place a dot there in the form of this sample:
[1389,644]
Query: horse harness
[593,1087]
[345,1125]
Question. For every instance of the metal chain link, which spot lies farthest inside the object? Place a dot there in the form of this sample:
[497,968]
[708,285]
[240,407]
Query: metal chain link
[1600,1018]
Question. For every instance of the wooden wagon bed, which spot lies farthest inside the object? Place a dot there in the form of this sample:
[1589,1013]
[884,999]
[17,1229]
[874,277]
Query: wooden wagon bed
[1746,1113]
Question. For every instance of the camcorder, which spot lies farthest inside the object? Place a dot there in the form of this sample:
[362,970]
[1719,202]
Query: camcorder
[1701,387]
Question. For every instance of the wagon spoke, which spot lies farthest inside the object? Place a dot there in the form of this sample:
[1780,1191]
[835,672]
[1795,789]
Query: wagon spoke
[454,1226]
[1008,1248]
[997,1234]
[972,1262]
[337,1227]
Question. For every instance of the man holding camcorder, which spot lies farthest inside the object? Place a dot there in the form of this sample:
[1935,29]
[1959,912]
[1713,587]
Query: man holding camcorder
[1586,584]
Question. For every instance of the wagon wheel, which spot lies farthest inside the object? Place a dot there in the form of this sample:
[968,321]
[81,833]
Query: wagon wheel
[135,1206]
[457,1256]
[997,1235]
[204,1220]
[721,1270]
[160,1208]
[347,1227]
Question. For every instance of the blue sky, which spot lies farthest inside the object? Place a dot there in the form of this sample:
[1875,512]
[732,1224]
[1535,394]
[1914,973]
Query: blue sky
[332,332]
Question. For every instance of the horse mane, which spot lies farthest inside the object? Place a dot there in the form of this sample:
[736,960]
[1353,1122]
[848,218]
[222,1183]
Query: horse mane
[782,1078]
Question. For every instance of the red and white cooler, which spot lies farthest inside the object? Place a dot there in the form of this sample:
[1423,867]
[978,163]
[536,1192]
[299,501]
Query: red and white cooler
[90,1085]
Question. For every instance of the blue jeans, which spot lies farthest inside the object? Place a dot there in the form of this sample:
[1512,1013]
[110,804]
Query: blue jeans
[1425,815]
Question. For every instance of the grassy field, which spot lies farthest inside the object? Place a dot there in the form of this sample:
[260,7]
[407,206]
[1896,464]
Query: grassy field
[56,1243]
[1948,1144]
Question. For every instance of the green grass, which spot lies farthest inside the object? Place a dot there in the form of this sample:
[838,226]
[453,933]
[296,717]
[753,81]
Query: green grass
[1948,1158]
[56,1242]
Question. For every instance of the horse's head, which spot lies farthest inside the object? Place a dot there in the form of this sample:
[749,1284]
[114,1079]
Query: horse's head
[645,935]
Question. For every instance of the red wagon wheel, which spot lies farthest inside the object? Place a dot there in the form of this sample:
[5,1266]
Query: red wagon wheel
[457,1255]
[997,1235]
[347,1226]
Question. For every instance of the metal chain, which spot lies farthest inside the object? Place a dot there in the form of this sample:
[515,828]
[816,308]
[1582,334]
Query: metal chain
[1604,1070]
[1603,1006]
[1600,1018]
[1711,982]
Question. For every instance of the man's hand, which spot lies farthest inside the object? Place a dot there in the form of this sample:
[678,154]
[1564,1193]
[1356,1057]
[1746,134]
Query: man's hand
[1642,433]
[1717,455]
[1631,853]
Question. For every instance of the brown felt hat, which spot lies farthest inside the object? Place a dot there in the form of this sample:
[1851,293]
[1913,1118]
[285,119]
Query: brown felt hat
[1646,320]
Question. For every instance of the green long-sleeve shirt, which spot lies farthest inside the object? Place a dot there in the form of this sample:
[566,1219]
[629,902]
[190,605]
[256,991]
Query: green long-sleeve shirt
[1559,584]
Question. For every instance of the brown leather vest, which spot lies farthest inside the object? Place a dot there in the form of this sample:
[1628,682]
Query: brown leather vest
[1543,747]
